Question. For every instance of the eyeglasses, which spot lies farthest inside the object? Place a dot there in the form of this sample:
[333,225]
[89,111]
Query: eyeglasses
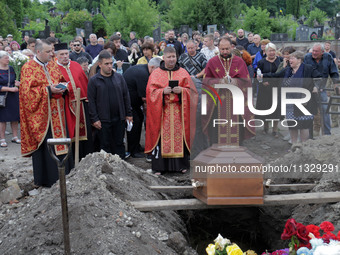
[76,45]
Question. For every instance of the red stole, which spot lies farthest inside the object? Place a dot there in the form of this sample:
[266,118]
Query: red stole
[215,71]
[167,118]
[77,79]
[37,109]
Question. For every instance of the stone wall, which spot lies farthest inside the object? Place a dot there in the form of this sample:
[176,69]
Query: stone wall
[305,45]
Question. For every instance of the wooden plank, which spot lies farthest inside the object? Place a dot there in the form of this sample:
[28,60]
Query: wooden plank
[171,188]
[290,187]
[299,187]
[269,200]
[303,198]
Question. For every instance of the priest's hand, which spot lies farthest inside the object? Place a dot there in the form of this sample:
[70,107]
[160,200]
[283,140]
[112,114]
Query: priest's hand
[97,124]
[55,90]
[177,90]
[167,91]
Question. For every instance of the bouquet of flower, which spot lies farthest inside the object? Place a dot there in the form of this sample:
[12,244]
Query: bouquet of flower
[17,61]
[305,239]
[223,246]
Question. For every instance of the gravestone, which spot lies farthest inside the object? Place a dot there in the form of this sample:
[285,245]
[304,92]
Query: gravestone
[47,31]
[156,34]
[42,35]
[279,37]
[211,29]
[30,33]
[200,28]
[302,33]
[88,28]
[223,30]
[184,29]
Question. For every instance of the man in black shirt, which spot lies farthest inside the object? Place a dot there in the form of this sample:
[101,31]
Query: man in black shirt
[172,42]
[241,40]
[120,54]
[78,52]
[109,105]
[136,78]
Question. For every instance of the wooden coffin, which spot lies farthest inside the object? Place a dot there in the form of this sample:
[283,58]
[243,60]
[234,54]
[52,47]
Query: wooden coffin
[227,175]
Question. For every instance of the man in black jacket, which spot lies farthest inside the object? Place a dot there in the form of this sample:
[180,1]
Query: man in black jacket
[109,105]
[136,78]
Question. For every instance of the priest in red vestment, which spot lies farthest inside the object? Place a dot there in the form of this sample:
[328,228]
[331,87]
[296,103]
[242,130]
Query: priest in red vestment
[226,68]
[170,97]
[42,114]
[76,78]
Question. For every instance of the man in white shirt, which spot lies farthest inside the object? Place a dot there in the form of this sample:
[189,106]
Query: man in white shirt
[210,50]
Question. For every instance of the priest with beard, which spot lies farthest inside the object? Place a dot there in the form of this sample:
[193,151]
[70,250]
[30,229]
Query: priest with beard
[170,98]
[76,78]
[227,69]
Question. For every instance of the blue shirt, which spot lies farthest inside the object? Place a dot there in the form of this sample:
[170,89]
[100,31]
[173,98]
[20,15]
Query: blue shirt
[94,50]
[253,49]
[325,66]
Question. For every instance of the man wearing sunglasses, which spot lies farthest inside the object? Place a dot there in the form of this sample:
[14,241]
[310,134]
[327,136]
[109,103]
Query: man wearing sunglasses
[78,52]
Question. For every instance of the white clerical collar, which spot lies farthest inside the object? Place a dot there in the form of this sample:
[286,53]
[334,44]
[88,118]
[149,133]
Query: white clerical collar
[39,62]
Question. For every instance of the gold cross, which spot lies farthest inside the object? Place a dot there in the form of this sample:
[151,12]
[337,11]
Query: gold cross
[236,70]
[217,70]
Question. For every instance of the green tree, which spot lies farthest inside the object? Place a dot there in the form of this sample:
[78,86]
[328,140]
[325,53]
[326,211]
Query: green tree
[7,25]
[257,21]
[293,7]
[37,11]
[141,16]
[328,6]
[17,7]
[284,24]
[262,4]
[99,25]
[316,15]
[75,19]
[191,12]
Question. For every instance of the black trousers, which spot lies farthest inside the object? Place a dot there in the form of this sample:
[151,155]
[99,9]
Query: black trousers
[111,137]
[133,136]
[45,169]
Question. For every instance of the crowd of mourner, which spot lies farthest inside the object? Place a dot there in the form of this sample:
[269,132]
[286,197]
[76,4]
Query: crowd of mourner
[158,85]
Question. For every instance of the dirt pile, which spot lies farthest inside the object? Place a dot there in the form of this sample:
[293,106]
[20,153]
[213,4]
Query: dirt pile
[101,219]
[320,163]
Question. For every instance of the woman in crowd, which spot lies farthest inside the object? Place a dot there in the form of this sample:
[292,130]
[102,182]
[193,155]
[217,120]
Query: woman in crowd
[135,54]
[28,53]
[9,87]
[15,46]
[8,49]
[83,61]
[269,64]
[298,75]
[261,54]
[285,53]
[247,58]
[184,40]
[162,46]
[147,49]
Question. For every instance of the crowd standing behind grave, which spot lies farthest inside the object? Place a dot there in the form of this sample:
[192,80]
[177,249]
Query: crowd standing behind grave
[193,54]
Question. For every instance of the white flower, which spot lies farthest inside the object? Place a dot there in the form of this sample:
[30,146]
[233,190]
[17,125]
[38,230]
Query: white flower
[221,242]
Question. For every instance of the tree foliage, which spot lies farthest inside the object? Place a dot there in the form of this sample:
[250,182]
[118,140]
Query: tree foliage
[141,16]
[99,25]
[316,15]
[37,11]
[204,12]
[75,19]
[293,7]
[257,21]
[17,7]
[7,25]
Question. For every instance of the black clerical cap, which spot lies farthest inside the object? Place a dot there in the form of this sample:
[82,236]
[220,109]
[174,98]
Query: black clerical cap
[60,46]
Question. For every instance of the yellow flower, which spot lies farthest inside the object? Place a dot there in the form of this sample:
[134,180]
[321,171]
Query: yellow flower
[210,249]
[234,250]
[250,252]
